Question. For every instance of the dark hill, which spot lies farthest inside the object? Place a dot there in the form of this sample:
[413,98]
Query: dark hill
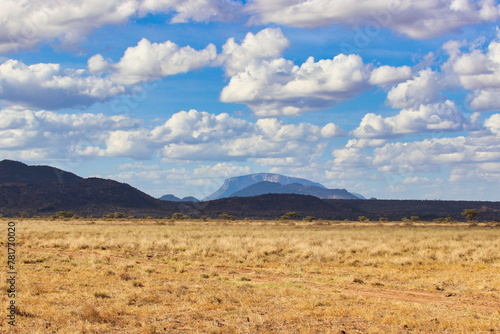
[272,206]
[17,172]
[44,190]
[266,187]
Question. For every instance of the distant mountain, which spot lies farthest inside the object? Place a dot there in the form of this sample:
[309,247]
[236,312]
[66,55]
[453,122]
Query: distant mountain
[44,190]
[238,183]
[173,198]
[170,198]
[265,187]
[359,196]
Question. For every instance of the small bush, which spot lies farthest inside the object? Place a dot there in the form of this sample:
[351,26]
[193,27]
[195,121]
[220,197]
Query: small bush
[63,214]
[226,216]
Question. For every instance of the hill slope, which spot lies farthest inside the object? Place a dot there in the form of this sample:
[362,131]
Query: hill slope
[265,187]
[44,190]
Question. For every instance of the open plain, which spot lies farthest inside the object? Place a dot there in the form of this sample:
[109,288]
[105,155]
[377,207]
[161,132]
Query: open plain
[164,276]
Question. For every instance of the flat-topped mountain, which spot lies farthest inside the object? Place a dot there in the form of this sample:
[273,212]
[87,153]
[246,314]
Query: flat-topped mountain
[238,183]
[266,187]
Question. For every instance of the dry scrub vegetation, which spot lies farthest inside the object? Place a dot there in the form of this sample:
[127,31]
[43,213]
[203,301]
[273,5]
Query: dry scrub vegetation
[150,276]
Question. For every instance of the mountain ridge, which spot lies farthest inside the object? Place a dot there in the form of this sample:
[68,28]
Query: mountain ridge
[265,187]
[234,184]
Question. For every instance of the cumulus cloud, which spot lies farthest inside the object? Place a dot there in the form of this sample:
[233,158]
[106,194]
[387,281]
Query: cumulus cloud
[152,61]
[187,135]
[48,135]
[198,135]
[389,75]
[431,154]
[476,70]
[48,86]
[195,10]
[479,151]
[278,87]
[25,23]
[424,88]
[436,117]
[416,19]
[266,44]
[272,86]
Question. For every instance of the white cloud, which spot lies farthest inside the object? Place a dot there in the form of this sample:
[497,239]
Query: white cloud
[436,117]
[430,154]
[389,75]
[425,88]
[267,44]
[197,135]
[278,87]
[476,70]
[49,86]
[152,61]
[25,23]
[187,136]
[416,180]
[48,135]
[221,170]
[493,124]
[417,19]
[195,10]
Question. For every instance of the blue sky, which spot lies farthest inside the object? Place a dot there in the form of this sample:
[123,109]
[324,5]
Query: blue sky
[389,99]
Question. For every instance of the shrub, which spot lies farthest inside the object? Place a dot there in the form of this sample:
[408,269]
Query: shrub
[177,216]
[226,216]
[309,218]
[415,218]
[115,215]
[383,220]
[362,218]
[290,215]
[63,214]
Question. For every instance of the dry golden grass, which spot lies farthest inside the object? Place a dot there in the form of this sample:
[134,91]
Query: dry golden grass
[151,276]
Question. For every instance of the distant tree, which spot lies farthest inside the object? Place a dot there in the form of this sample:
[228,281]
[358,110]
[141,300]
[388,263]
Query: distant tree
[415,218]
[63,214]
[115,215]
[119,215]
[470,214]
[290,215]
[226,216]
[177,216]
[362,218]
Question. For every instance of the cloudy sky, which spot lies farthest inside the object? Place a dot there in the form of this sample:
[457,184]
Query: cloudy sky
[386,98]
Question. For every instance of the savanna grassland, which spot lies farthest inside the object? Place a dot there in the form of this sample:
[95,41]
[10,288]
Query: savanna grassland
[160,276]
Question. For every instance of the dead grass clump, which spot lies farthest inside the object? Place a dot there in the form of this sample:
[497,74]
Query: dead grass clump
[101,295]
[90,313]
